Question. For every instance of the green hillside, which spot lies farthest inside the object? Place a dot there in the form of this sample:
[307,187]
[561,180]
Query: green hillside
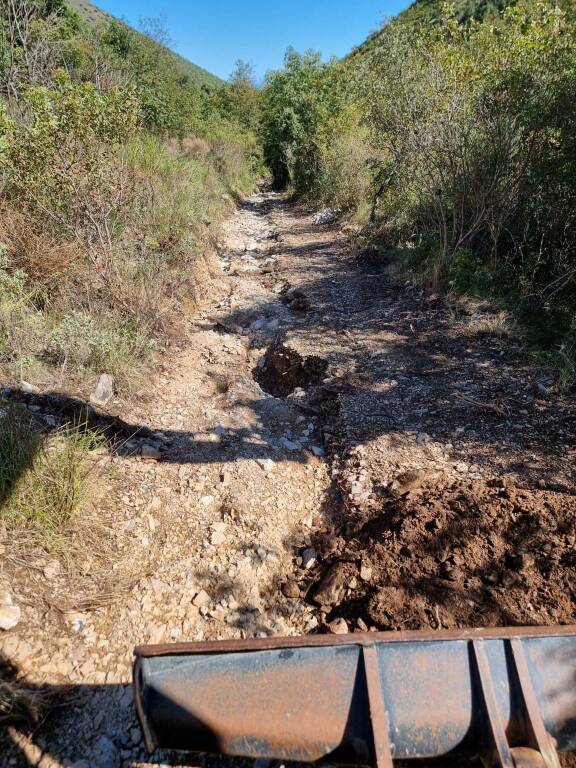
[94,16]
[117,165]
[449,137]
[430,11]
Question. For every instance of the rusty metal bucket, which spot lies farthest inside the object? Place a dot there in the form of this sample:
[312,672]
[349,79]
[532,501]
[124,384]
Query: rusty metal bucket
[507,696]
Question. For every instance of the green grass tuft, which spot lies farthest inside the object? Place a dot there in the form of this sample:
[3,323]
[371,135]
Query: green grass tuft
[44,479]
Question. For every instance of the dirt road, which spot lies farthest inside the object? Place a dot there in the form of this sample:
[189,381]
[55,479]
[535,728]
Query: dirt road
[325,449]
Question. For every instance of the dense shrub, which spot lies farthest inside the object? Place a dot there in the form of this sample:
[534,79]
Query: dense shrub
[62,161]
[303,108]
[476,123]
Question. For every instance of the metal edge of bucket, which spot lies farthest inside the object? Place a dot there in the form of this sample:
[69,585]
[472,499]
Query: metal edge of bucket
[149,737]
[354,638]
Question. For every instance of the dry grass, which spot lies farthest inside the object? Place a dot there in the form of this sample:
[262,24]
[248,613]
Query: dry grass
[479,318]
[193,146]
[33,250]
[44,479]
[48,507]
[21,704]
[495,323]
[76,302]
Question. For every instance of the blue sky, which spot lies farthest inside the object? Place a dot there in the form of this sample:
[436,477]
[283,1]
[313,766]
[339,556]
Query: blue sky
[215,33]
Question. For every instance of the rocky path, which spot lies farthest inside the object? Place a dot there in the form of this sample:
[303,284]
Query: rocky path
[324,450]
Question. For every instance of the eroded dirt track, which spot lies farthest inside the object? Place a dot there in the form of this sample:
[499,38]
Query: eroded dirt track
[323,444]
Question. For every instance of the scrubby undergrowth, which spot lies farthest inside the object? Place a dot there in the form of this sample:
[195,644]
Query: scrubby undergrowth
[44,479]
[450,140]
[116,171]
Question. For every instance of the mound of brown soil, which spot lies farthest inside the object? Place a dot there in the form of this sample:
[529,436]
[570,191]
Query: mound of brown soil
[454,554]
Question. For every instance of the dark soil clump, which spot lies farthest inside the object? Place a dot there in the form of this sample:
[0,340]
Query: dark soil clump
[283,370]
[463,553]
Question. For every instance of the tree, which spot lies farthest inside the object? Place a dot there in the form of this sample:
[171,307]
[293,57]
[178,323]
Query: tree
[240,97]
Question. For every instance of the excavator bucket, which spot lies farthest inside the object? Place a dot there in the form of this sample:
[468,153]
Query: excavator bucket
[504,696]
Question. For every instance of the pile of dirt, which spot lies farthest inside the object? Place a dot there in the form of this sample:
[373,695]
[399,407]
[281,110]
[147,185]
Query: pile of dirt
[282,370]
[454,554]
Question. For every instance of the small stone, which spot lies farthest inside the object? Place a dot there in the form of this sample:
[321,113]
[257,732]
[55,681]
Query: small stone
[5,597]
[155,633]
[291,589]
[317,451]
[52,569]
[217,538]
[290,445]
[150,452]
[105,754]
[87,669]
[365,572]
[361,624]
[202,599]
[309,557]
[104,391]
[331,587]
[266,464]
[406,482]
[206,500]
[78,621]
[221,614]
[525,561]
[175,632]
[338,627]
[9,616]
[510,578]
[29,389]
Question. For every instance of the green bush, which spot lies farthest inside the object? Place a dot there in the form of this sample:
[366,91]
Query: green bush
[90,343]
[476,127]
[456,129]
[303,109]
[63,161]
[105,220]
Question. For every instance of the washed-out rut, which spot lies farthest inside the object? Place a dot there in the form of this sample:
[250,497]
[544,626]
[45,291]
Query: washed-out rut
[331,450]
